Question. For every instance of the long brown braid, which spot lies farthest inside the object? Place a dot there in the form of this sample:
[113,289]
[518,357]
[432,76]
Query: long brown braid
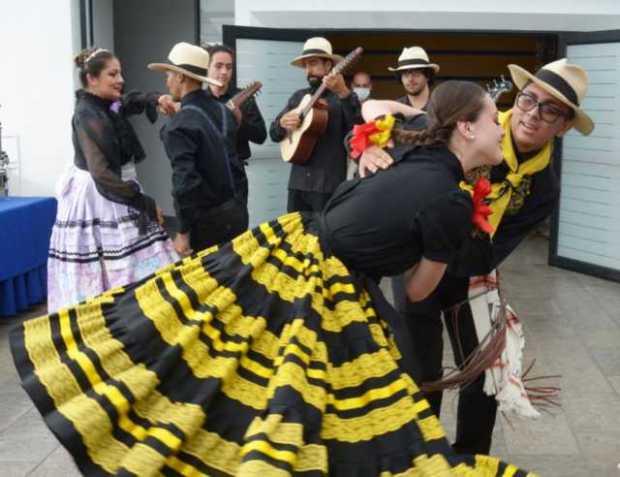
[450,102]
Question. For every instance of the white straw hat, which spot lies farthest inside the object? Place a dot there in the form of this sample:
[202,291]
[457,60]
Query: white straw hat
[316,47]
[187,59]
[413,58]
[566,82]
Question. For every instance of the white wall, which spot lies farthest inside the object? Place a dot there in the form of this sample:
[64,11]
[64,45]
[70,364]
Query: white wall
[556,15]
[37,44]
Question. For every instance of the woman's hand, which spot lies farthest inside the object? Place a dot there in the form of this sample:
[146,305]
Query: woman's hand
[181,245]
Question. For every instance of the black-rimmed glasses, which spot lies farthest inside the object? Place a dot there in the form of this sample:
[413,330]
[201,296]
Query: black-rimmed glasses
[548,112]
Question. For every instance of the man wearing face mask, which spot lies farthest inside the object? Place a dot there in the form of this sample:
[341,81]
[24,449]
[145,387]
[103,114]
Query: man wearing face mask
[361,84]
[312,183]
[416,74]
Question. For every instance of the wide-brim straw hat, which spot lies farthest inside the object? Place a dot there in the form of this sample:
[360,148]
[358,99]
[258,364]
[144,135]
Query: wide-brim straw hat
[189,60]
[566,82]
[316,47]
[413,58]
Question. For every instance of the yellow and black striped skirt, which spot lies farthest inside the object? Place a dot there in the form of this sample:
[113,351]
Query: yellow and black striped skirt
[262,357]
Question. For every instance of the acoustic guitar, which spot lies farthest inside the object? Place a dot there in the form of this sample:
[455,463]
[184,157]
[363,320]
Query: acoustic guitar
[298,145]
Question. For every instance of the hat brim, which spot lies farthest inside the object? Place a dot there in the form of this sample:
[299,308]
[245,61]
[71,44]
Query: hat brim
[433,66]
[299,61]
[520,76]
[163,67]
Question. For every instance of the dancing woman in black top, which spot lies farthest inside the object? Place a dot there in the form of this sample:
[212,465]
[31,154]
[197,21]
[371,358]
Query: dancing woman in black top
[275,353]
[107,232]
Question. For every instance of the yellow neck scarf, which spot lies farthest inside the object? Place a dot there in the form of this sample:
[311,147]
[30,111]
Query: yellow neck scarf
[501,192]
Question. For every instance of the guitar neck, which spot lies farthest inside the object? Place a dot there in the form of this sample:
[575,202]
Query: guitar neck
[242,96]
[317,94]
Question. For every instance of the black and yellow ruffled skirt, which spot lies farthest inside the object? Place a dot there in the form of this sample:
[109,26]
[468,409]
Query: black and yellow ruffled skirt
[259,358]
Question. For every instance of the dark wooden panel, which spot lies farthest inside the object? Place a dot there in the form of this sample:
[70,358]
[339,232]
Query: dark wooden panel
[470,56]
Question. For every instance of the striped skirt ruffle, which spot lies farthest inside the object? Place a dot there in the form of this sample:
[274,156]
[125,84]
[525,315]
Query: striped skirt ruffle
[259,358]
[96,244]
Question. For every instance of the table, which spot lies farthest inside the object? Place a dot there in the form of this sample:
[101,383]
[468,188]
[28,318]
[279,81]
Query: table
[25,229]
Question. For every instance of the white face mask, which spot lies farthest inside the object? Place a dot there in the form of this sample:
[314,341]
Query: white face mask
[362,93]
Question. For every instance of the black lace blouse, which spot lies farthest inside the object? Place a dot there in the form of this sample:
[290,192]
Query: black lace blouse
[104,141]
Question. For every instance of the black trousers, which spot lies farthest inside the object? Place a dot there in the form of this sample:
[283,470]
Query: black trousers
[218,225]
[305,201]
[476,411]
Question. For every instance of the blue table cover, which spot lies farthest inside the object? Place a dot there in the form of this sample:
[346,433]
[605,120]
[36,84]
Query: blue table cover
[25,229]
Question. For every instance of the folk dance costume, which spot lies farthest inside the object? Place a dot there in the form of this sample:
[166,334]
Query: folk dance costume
[525,189]
[106,233]
[274,354]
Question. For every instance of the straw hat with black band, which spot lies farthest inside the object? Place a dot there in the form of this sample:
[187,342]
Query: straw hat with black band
[189,60]
[566,82]
[414,58]
[316,47]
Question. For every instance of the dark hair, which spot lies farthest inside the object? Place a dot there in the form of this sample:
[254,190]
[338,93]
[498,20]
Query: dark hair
[92,61]
[219,48]
[450,102]
[428,72]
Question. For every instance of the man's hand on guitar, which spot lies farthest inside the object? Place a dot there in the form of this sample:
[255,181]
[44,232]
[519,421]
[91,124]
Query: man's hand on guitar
[373,159]
[290,121]
[336,84]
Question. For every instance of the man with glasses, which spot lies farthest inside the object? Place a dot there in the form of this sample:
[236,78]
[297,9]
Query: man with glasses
[525,190]
[416,73]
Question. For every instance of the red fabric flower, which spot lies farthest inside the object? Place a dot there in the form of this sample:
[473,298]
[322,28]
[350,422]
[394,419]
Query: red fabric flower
[361,137]
[482,188]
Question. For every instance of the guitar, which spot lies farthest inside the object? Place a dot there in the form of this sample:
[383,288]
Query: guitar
[498,87]
[242,96]
[298,145]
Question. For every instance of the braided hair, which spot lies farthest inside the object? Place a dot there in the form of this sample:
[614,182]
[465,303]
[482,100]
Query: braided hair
[450,102]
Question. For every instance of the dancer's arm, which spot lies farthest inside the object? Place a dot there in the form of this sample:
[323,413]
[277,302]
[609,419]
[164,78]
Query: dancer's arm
[373,108]
[423,278]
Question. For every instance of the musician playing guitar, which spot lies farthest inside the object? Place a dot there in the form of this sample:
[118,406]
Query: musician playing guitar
[251,123]
[312,183]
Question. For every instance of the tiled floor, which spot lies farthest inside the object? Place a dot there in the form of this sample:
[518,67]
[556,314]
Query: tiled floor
[572,325]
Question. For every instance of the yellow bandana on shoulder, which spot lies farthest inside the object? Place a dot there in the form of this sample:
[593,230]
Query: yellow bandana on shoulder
[502,192]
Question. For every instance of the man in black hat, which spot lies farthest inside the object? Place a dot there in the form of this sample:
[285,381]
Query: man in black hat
[312,183]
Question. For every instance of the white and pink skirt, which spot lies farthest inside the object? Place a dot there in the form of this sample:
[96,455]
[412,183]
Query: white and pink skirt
[96,245]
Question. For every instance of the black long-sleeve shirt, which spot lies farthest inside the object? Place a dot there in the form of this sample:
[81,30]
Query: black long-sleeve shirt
[201,171]
[479,255]
[252,127]
[104,140]
[327,166]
